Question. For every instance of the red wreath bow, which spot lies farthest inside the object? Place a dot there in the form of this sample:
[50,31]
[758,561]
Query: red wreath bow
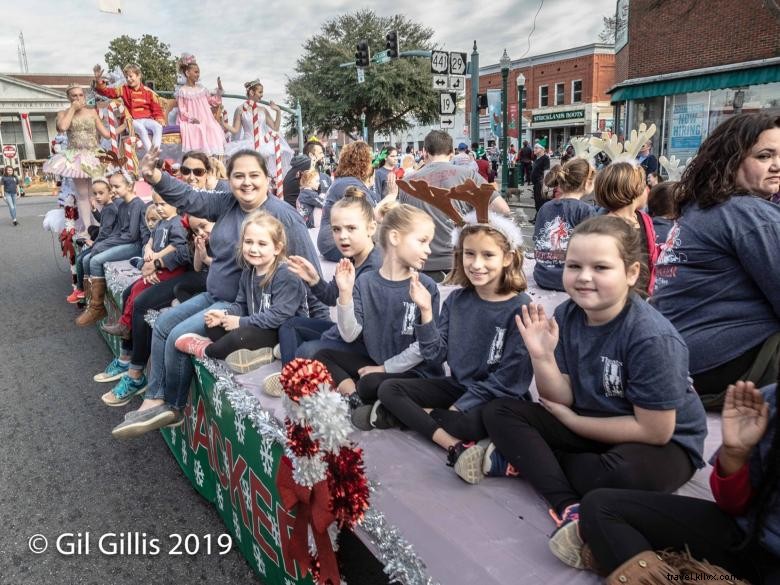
[312,508]
[66,243]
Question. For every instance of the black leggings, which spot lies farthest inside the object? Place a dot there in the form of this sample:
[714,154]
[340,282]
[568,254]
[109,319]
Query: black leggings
[716,380]
[250,337]
[189,285]
[563,466]
[406,399]
[619,524]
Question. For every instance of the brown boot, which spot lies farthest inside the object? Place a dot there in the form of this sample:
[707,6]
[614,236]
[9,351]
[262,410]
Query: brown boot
[646,568]
[119,329]
[87,288]
[95,310]
[686,565]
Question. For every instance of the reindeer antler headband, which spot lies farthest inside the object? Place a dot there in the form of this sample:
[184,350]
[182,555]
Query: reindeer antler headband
[476,196]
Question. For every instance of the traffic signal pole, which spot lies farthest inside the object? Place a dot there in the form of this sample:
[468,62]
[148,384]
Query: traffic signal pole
[474,64]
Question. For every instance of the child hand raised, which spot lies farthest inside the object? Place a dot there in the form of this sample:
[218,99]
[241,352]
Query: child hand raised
[539,334]
[345,280]
[148,166]
[421,297]
[744,420]
[304,269]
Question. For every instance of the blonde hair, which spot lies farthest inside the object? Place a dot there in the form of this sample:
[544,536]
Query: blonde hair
[355,197]
[619,184]
[512,276]
[307,177]
[132,67]
[570,177]
[275,229]
[218,168]
[151,216]
[401,218]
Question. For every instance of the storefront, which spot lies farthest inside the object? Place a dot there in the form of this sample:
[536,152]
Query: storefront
[556,128]
[686,107]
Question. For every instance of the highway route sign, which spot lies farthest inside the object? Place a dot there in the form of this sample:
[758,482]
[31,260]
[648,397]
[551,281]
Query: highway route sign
[441,82]
[457,63]
[447,122]
[448,102]
[439,62]
[457,83]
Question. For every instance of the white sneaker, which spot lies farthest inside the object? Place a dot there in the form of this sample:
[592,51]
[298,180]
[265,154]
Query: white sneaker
[243,361]
[272,385]
[277,351]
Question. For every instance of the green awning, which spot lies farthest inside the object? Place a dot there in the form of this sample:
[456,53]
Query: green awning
[740,78]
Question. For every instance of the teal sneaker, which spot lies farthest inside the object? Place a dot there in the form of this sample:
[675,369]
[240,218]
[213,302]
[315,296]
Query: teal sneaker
[113,371]
[123,392]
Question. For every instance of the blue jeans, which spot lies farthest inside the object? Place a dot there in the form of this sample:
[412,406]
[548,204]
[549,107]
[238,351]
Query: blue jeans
[171,370]
[113,254]
[10,201]
[295,331]
[82,265]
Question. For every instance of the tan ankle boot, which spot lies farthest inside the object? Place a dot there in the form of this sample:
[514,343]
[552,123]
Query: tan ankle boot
[95,310]
[646,568]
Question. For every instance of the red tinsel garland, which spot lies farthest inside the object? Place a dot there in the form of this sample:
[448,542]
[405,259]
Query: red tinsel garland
[302,377]
[299,439]
[348,485]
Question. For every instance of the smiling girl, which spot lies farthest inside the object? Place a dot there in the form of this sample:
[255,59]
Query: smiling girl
[616,408]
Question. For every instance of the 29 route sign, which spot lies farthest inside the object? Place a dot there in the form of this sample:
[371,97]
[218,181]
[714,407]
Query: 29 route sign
[457,64]
[448,103]
[440,62]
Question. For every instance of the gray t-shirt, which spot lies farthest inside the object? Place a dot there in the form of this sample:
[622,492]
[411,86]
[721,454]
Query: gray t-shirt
[718,278]
[446,176]
[636,359]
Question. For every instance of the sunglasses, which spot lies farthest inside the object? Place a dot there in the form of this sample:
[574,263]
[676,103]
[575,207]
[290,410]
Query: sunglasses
[185,172]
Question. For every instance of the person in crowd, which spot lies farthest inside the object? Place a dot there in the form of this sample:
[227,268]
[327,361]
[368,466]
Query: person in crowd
[653,179]
[198,127]
[256,127]
[616,408]
[621,191]
[312,157]
[660,206]
[483,166]
[354,170]
[171,372]
[269,294]
[715,280]
[165,256]
[557,219]
[123,243]
[193,282]
[142,105]
[379,307]
[462,158]
[493,364]
[647,160]
[309,197]
[9,188]
[525,159]
[386,164]
[79,161]
[541,164]
[439,172]
[738,534]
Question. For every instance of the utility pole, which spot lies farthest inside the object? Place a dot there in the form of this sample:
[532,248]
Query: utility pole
[23,67]
[474,132]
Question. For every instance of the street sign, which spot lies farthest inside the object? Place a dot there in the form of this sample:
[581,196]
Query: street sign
[447,122]
[440,82]
[361,73]
[457,64]
[9,151]
[440,61]
[447,103]
[382,57]
[457,83]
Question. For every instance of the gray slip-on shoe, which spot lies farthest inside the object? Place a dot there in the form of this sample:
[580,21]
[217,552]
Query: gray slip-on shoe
[148,420]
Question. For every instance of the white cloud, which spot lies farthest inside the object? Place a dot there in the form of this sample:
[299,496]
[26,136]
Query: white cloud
[243,40]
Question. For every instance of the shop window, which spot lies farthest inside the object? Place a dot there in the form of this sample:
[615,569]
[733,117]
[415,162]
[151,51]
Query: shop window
[544,99]
[576,91]
[558,94]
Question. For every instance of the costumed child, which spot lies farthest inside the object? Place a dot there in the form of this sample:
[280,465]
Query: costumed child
[123,243]
[476,335]
[142,106]
[256,129]
[738,534]
[616,407]
[103,196]
[379,307]
[165,256]
[269,294]
[309,197]
[557,218]
[198,127]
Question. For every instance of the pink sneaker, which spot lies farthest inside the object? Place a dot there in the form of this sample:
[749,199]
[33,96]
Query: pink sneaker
[193,344]
[76,296]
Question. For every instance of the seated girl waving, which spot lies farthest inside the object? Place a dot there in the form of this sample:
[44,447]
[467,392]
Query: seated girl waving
[616,408]
[268,294]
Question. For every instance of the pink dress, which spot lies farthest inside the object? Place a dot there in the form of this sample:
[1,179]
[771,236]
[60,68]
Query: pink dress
[207,135]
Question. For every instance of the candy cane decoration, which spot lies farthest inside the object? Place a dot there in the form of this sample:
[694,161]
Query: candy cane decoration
[113,111]
[277,159]
[130,144]
[250,106]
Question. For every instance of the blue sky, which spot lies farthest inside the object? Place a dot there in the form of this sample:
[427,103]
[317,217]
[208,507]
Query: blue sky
[241,40]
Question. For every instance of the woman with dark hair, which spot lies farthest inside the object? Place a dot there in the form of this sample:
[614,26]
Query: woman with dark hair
[717,276]
[355,169]
[9,187]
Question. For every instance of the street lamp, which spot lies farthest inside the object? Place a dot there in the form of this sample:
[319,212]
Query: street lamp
[520,84]
[505,62]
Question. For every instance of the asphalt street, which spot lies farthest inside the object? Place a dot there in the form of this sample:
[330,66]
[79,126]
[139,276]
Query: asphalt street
[61,471]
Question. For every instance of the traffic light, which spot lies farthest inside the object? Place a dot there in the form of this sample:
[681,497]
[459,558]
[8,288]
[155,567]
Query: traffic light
[393,49]
[482,101]
[362,55]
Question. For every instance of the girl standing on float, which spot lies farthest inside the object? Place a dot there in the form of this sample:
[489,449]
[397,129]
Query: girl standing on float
[255,124]
[198,126]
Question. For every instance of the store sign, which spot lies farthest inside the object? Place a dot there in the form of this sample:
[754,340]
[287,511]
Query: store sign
[558,116]
[621,24]
[689,125]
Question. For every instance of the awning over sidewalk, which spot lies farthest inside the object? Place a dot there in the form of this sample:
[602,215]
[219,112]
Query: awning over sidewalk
[720,80]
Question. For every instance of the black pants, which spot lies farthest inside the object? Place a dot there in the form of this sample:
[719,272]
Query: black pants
[226,342]
[406,399]
[526,172]
[344,365]
[189,285]
[563,466]
[538,197]
[716,380]
[619,524]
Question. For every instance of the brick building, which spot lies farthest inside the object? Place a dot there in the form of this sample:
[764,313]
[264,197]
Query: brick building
[565,95]
[688,66]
